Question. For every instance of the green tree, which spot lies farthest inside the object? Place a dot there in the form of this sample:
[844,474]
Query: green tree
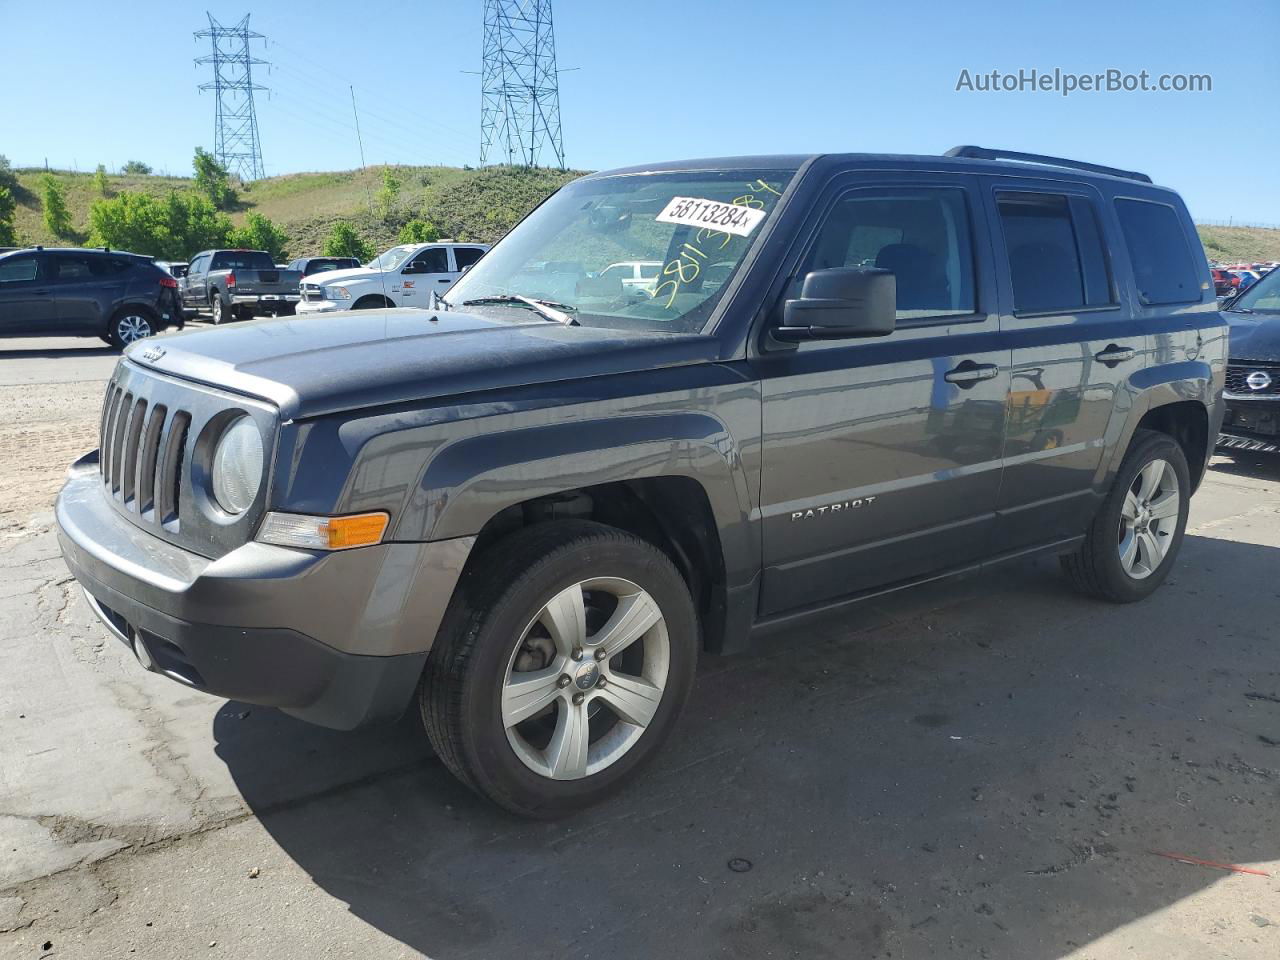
[100,180]
[136,166]
[345,241]
[8,236]
[389,193]
[259,233]
[212,179]
[171,228]
[54,200]
[419,231]
[7,177]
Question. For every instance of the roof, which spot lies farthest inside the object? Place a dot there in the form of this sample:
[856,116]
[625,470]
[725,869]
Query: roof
[961,160]
[102,250]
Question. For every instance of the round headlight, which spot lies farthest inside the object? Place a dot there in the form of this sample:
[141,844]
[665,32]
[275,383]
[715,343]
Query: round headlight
[237,466]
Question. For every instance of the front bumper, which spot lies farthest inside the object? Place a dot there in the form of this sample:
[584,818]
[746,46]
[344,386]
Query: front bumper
[1251,424]
[322,306]
[338,639]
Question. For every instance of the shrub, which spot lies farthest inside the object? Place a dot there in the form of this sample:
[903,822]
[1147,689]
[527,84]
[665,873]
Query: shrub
[212,179]
[8,236]
[389,193]
[259,233]
[100,180]
[419,231]
[54,200]
[171,228]
[136,166]
[345,241]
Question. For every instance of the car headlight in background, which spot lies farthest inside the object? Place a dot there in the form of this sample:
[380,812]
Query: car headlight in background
[237,466]
[337,293]
[323,533]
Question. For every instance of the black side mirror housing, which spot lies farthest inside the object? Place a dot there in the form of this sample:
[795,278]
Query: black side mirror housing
[839,303]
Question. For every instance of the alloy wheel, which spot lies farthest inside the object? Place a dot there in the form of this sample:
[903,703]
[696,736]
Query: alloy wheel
[586,678]
[132,327]
[1149,519]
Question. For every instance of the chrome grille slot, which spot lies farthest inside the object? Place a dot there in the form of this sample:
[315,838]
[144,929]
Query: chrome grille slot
[132,435]
[108,432]
[149,458]
[169,471]
[117,439]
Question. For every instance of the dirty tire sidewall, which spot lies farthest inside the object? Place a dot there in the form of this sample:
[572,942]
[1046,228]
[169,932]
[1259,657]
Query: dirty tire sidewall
[467,670]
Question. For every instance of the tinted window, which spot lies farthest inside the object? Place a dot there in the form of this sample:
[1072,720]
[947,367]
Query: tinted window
[242,260]
[71,267]
[324,264]
[921,236]
[1056,258]
[466,256]
[434,260]
[17,269]
[1163,267]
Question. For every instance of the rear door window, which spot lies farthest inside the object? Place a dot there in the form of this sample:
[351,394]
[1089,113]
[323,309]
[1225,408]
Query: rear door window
[466,256]
[1057,260]
[1163,267]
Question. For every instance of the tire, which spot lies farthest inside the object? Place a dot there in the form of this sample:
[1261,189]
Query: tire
[1117,562]
[217,309]
[129,326]
[495,630]
[372,303]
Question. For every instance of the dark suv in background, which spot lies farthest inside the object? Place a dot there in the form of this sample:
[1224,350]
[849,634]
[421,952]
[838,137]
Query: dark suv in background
[309,265]
[120,297]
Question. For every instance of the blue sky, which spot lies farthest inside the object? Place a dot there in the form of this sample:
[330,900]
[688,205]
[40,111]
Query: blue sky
[661,81]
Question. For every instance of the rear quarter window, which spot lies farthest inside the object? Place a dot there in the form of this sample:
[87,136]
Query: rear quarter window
[1164,269]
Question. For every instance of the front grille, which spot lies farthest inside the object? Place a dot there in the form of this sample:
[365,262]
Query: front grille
[311,292]
[1238,372]
[142,452]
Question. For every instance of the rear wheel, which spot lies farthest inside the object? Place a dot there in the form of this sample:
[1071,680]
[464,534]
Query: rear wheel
[129,326]
[216,307]
[562,666]
[1132,542]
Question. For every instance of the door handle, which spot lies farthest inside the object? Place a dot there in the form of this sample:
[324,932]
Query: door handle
[1114,355]
[968,373]
[445,280]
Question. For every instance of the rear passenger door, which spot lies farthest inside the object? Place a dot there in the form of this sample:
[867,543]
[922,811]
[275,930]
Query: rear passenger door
[881,456]
[86,286]
[1074,343]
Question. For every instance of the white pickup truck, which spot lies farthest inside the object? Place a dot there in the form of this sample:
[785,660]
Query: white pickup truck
[404,276]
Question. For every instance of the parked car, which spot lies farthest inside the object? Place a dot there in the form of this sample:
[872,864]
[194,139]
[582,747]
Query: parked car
[1225,284]
[524,518]
[1252,420]
[239,284]
[174,268]
[72,292]
[640,276]
[406,275]
[309,265]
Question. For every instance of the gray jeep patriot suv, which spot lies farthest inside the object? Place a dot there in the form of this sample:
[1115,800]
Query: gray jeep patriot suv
[526,510]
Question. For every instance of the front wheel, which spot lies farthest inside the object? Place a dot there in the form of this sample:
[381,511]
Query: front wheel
[1133,540]
[562,666]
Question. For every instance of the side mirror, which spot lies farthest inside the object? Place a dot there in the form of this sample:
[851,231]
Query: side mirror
[841,302]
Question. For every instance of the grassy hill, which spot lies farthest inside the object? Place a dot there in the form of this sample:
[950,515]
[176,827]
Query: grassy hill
[463,203]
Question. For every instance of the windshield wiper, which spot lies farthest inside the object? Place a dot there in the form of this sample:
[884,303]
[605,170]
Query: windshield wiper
[553,311]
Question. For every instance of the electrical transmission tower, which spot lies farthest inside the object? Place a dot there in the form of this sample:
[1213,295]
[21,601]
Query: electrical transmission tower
[519,84]
[235,131]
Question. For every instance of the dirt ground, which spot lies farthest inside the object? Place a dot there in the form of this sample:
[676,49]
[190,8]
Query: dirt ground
[988,768]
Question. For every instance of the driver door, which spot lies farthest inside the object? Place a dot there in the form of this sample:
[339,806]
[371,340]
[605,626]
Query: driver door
[428,272]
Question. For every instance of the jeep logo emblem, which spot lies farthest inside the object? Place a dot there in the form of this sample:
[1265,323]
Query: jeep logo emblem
[1258,380]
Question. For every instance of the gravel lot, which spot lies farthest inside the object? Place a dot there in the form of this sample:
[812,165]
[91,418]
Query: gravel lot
[986,768]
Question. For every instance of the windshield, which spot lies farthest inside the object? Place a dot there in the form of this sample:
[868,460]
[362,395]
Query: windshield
[1263,296]
[641,252]
[392,258]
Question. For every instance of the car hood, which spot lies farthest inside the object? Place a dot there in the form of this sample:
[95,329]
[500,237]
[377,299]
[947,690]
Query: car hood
[350,273]
[325,363]
[1255,336]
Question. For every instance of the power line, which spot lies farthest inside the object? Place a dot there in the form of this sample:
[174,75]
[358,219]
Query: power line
[519,84]
[235,132]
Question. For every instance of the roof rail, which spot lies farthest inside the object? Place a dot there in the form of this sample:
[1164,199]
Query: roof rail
[986,153]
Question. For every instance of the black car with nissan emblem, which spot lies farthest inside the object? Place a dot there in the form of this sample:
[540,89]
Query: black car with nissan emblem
[526,511]
[1252,394]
